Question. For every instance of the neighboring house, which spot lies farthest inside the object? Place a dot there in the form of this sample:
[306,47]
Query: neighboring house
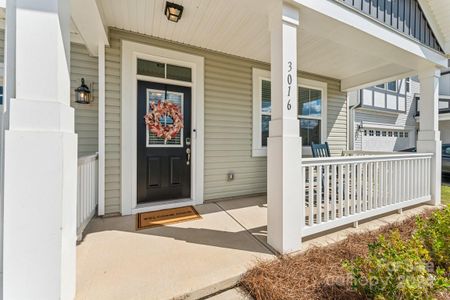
[241,88]
[383,117]
[444,106]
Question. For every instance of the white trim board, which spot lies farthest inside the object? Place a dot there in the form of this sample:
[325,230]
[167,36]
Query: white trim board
[130,53]
[101,129]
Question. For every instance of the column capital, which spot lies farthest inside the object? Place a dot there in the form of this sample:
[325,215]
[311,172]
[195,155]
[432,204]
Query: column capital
[290,15]
[430,72]
[283,13]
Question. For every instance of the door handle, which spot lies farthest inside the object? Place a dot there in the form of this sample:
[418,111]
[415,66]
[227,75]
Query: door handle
[188,154]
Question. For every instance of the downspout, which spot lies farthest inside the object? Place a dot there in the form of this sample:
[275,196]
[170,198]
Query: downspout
[352,119]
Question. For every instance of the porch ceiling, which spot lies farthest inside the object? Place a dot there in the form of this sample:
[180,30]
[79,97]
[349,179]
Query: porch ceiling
[326,46]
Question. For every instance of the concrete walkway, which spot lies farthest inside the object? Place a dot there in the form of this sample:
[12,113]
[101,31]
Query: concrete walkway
[188,260]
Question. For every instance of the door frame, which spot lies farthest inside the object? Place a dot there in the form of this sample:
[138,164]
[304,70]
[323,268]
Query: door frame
[131,51]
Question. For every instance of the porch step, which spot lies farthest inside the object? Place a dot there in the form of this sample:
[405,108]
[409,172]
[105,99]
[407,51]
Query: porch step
[209,292]
[232,294]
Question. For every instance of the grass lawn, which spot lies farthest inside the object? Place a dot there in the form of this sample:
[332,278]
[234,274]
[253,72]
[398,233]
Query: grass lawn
[445,194]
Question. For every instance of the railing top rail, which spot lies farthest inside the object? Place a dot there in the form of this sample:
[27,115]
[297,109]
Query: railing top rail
[366,158]
[87,158]
[347,152]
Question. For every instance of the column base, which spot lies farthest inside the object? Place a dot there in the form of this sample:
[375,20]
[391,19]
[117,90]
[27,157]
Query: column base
[284,196]
[40,215]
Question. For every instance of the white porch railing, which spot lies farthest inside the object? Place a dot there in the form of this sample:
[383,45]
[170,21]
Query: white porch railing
[87,194]
[343,190]
[364,153]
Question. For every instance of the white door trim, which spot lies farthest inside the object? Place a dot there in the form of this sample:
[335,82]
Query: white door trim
[130,53]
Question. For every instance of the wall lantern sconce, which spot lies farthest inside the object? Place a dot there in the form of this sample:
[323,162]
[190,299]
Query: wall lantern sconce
[360,127]
[83,94]
[173,11]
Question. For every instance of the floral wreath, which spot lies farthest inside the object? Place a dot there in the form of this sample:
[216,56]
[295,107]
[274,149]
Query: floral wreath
[164,108]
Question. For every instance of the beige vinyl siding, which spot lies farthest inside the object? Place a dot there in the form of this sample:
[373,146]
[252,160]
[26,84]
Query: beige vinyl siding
[86,115]
[228,121]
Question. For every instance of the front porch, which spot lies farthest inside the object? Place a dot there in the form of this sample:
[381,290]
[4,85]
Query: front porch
[186,260]
[236,141]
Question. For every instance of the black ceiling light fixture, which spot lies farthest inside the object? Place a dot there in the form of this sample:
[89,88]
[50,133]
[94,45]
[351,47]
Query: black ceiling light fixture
[173,11]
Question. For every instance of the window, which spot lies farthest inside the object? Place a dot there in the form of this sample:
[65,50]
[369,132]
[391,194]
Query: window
[162,70]
[311,111]
[392,86]
[390,133]
[371,133]
[406,134]
[408,84]
[377,133]
[310,115]
[365,132]
[266,111]
[383,133]
[395,133]
[401,134]
[1,95]
[174,97]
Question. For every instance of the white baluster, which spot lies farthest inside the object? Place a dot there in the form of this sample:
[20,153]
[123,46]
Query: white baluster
[311,195]
[370,184]
[319,195]
[353,184]
[327,193]
[341,190]
[347,190]
[333,192]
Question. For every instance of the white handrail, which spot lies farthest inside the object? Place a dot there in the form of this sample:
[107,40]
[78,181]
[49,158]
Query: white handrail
[87,158]
[363,152]
[366,158]
[87,194]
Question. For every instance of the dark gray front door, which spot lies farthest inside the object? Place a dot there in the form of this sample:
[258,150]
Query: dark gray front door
[163,165]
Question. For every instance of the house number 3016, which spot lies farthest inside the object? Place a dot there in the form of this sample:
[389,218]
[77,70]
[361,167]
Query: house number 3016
[289,82]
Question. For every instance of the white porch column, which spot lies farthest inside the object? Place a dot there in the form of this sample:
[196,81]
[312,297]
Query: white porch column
[429,139]
[40,153]
[101,128]
[284,144]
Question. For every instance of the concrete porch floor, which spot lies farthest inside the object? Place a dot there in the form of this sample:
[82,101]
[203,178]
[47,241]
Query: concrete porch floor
[187,260]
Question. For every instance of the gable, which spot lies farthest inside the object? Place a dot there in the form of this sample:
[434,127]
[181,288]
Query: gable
[405,16]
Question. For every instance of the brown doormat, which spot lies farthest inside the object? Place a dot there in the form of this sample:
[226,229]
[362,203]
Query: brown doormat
[166,216]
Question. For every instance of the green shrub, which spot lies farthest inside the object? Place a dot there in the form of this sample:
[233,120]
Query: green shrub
[434,233]
[395,269]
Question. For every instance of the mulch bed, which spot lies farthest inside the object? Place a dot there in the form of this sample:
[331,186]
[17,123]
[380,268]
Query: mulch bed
[316,273]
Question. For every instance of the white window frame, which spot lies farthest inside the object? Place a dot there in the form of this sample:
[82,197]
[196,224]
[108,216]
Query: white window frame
[131,51]
[258,75]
